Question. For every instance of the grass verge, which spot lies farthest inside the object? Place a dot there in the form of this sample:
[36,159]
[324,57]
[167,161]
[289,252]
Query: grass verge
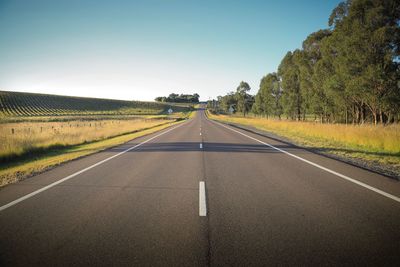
[31,138]
[372,146]
[11,172]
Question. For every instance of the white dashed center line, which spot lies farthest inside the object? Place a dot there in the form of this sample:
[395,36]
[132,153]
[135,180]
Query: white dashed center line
[202,199]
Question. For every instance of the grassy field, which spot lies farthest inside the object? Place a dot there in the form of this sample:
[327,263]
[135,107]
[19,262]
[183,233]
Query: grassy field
[379,144]
[13,171]
[39,131]
[16,104]
[18,139]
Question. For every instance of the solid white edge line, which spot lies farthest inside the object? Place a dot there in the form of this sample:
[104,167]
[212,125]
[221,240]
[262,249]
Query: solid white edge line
[12,203]
[376,190]
[202,199]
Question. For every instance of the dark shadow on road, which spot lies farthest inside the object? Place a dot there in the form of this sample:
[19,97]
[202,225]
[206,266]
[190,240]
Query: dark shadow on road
[207,147]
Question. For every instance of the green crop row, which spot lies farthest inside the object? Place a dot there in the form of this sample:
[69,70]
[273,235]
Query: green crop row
[14,104]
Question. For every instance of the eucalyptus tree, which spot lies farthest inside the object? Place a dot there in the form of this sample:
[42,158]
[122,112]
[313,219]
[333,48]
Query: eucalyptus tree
[267,100]
[244,100]
[228,101]
[290,75]
[365,41]
[311,88]
[350,71]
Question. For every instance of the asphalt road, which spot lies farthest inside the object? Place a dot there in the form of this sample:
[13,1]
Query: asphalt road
[261,206]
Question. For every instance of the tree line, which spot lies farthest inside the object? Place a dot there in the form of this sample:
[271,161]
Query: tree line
[235,101]
[176,98]
[349,72]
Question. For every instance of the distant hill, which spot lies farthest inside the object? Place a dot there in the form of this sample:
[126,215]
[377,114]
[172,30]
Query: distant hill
[31,104]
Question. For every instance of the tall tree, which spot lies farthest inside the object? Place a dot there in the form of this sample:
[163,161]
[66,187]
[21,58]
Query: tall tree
[290,75]
[267,100]
[228,101]
[243,98]
[365,41]
[314,96]
[349,72]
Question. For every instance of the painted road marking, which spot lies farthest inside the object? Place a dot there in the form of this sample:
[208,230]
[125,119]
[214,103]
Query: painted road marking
[376,190]
[201,146]
[200,133]
[202,199]
[12,203]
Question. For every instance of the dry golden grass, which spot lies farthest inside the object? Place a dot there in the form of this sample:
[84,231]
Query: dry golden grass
[20,138]
[15,171]
[69,138]
[379,143]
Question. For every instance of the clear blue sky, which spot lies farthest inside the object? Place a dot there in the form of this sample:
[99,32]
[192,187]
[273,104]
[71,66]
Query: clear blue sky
[143,49]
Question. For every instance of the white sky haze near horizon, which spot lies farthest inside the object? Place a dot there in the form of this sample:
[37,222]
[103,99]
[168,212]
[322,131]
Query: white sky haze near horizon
[143,49]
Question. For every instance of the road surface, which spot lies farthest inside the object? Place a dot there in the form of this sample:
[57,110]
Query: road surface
[201,194]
